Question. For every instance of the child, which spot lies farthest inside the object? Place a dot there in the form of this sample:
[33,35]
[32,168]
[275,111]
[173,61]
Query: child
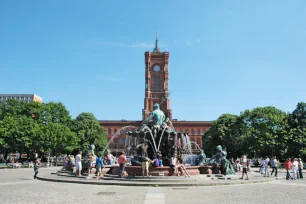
[160,161]
[99,166]
[35,169]
[155,161]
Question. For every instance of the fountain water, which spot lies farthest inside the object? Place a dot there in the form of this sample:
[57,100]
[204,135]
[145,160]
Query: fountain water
[153,139]
[190,159]
[162,137]
[188,144]
[116,134]
[192,142]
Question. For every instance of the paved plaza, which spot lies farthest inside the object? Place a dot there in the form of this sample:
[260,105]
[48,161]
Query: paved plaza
[18,186]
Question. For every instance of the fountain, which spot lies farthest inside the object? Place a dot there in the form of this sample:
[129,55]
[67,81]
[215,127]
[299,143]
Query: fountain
[163,141]
[157,137]
[158,134]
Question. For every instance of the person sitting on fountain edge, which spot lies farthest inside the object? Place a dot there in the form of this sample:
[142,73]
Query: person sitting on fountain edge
[160,161]
[155,161]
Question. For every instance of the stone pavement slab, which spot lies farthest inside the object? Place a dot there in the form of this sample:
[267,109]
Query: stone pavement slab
[20,188]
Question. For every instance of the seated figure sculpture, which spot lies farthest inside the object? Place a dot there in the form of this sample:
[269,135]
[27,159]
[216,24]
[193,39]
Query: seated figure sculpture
[201,158]
[156,120]
[220,159]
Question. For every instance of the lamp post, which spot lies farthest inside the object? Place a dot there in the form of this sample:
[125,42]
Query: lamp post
[49,150]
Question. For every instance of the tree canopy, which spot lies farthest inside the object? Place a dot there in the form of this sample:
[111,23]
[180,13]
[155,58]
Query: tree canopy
[32,127]
[260,132]
[89,131]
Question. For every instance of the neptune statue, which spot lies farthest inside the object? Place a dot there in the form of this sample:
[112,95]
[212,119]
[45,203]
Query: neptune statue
[156,120]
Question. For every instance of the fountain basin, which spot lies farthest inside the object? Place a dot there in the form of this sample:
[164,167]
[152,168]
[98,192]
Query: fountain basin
[166,170]
[209,169]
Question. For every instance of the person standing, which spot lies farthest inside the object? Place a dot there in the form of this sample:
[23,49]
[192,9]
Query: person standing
[110,158]
[274,164]
[295,166]
[301,166]
[244,163]
[145,161]
[267,167]
[36,164]
[78,162]
[99,166]
[288,168]
[122,162]
[262,167]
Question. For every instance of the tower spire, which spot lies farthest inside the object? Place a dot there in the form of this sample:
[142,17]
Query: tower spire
[156,49]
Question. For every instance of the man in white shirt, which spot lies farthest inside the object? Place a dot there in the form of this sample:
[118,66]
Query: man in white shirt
[267,167]
[78,162]
[274,164]
[295,167]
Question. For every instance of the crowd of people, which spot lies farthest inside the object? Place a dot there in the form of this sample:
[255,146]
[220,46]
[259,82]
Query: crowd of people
[95,162]
[269,167]
[294,169]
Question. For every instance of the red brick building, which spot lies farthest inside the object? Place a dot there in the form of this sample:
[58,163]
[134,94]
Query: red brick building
[156,91]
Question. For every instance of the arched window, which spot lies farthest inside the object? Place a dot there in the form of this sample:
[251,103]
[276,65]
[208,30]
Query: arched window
[192,131]
[158,83]
[121,143]
[115,130]
[154,82]
[186,131]
[109,131]
[199,142]
[181,130]
[115,143]
[192,143]
[198,132]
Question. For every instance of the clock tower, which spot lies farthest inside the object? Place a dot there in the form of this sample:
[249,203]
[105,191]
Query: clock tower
[156,82]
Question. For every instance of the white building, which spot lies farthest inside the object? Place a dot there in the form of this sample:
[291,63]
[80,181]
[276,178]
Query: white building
[20,97]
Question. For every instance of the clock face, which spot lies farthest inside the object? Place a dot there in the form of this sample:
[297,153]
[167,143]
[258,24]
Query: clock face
[156,68]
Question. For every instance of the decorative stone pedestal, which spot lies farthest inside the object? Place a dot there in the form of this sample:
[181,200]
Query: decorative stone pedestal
[209,169]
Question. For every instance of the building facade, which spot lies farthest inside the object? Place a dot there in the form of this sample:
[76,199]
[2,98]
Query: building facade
[156,91]
[20,97]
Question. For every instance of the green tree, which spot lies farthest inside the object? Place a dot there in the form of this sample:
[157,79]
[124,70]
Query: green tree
[12,108]
[224,131]
[264,131]
[56,113]
[57,139]
[34,110]
[297,131]
[30,127]
[19,132]
[89,131]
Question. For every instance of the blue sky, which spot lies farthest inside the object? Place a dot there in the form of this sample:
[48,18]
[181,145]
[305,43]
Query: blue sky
[225,56]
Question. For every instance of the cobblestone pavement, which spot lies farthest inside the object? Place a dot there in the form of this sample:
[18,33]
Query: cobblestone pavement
[18,186]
